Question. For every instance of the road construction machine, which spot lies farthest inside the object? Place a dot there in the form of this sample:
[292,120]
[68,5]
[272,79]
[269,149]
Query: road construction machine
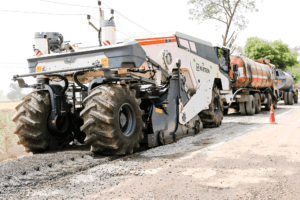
[118,95]
[286,84]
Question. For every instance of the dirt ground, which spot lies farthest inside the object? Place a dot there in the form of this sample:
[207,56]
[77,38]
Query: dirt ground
[245,158]
[10,106]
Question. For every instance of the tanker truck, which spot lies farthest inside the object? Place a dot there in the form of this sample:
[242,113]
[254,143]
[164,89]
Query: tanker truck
[253,85]
[287,88]
[151,90]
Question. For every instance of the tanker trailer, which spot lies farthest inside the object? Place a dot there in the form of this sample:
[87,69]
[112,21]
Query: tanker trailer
[287,88]
[253,85]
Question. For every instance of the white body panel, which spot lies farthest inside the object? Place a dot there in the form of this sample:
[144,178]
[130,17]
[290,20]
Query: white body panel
[41,44]
[200,76]
[109,36]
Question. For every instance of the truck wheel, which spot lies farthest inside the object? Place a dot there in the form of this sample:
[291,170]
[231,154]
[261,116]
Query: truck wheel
[225,111]
[242,108]
[290,98]
[296,98]
[269,104]
[213,116]
[112,119]
[32,128]
[285,97]
[275,102]
[257,103]
[250,105]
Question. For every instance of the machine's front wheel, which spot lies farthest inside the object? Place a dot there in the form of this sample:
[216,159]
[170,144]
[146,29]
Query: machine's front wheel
[32,129]
[112,119]
[214,115]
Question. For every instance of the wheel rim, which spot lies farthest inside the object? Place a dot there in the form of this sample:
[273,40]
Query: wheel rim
[127,119]
[216,106]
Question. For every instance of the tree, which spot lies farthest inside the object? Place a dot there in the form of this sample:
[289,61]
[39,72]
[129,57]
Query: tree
[15,93]
[230,13]
[279,53]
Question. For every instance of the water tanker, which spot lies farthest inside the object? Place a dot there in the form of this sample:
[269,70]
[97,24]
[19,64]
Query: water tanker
[286,85]
[253,85]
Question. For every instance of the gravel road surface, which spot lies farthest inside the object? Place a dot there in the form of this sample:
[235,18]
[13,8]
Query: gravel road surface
[245,158]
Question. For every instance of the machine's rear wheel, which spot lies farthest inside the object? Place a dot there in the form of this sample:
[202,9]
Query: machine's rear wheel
[112,119]
[290,98]
[296,98]
[257,103]
[214,115]
[32,128]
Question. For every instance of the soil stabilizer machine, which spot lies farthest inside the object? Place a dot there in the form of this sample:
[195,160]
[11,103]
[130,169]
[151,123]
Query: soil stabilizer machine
[116,96]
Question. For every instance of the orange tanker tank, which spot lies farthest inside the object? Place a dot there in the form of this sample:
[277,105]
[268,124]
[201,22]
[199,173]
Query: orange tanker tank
[258,75]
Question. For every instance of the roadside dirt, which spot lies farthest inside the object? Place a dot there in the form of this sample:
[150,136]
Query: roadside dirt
[245,158]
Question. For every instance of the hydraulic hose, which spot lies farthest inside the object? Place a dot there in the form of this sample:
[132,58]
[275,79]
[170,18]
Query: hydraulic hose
[234,96]
[64,79]
[77,82]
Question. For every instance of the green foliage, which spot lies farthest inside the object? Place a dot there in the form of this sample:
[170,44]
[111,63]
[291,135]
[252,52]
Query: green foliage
[279,53]
[296,71]
[15,93]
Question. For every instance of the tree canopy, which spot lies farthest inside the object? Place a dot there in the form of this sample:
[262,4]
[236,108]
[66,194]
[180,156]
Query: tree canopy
[15,93]
[279,53]
[227,12]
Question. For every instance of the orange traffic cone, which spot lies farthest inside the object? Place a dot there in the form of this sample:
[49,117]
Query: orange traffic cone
[272,115]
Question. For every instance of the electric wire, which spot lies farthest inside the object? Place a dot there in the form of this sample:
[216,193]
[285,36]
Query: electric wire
[117,30]
[98,7]
[29,12]
[72,4]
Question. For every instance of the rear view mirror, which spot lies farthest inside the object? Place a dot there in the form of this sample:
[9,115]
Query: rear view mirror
[235,67]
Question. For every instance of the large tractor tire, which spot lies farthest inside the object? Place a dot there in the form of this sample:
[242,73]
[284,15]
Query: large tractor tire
[213,116]
[32,128]
[112,119]
[257,103]
[290,98]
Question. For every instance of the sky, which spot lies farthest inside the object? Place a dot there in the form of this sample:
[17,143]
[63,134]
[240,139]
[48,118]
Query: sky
[275,20]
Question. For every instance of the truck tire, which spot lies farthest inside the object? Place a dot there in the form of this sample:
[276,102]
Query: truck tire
[242,106]
[257,103]
[250,105]
[213,116]
[225,111]
[285,97]
[296,97]
[112,119]
[275,103]
[269,103]
[32,128]
[290,98]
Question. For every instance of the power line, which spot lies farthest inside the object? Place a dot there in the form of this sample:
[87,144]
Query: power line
[117,30]
[29,12]
[98,7]
[130,20]
[72,4]
[13,63]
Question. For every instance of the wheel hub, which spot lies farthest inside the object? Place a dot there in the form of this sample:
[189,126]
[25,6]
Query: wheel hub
[127,120]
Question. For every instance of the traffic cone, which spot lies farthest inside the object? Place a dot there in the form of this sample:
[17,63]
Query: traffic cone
[272,115]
